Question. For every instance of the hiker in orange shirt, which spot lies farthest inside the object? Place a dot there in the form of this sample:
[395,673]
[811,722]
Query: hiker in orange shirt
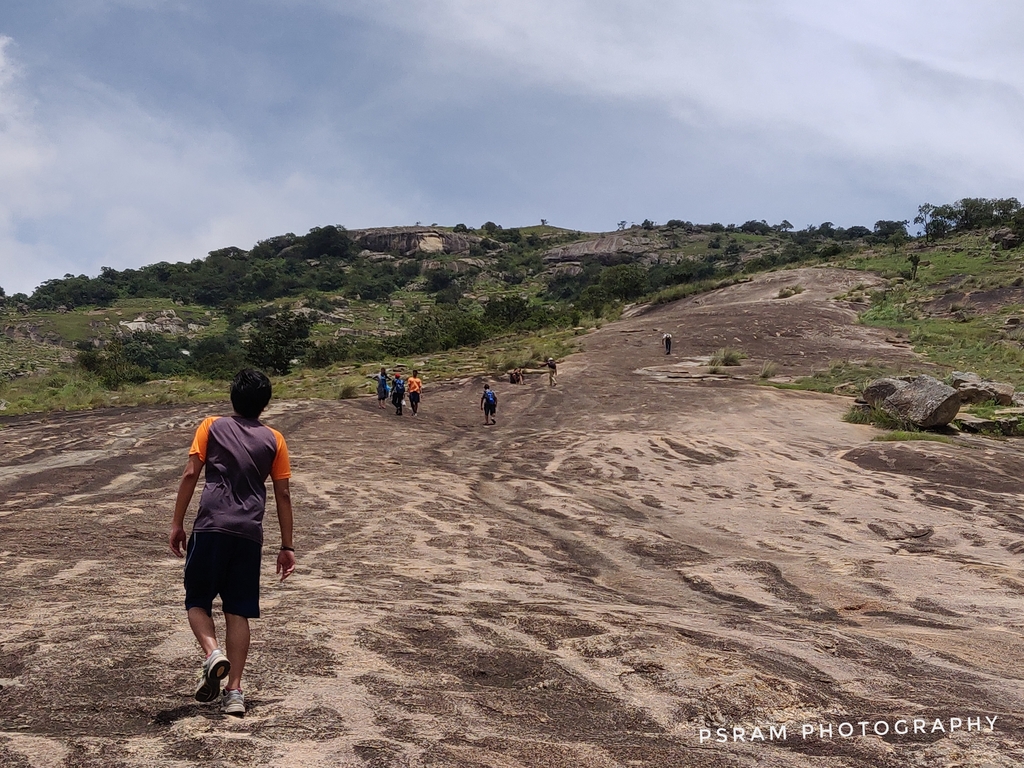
[414,385]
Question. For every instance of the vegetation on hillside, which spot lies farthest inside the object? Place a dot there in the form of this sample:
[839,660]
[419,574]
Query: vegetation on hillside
[334,300]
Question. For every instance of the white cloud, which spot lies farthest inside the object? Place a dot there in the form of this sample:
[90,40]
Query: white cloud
[92,179]
[584,110]
[932,85]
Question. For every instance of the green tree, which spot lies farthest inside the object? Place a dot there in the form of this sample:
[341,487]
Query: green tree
[623,281]
[508,312]
[275,341]
[884,229]
[923,218]
[593,299]
[442,327]
[112,365]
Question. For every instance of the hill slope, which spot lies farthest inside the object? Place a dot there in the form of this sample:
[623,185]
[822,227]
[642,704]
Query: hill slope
[623,560]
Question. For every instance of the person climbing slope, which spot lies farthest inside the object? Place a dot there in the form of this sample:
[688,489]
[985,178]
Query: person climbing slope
[489,405]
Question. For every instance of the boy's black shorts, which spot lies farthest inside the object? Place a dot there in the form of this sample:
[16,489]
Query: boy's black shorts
[414,398]
[489,409]
[222,564]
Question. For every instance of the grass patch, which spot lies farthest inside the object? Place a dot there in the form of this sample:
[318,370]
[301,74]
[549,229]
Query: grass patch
[71,389]
[901,435]
[728,356]
[792,290]
[842,375]
[683,290]
[768,370]
[65,387]
[969,340]
[350,389]
[897,429]
[878,418]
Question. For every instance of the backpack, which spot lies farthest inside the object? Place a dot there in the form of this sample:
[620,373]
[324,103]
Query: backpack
[399,387]
[490,398]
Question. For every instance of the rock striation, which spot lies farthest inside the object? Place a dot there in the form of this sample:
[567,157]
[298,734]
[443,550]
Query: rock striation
[409,240]
[606,248]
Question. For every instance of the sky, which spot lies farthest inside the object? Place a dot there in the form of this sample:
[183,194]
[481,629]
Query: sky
[138,131]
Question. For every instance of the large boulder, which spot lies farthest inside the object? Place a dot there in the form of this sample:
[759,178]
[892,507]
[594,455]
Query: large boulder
[974,389]
[879,389]
[1005,238]
[924,402]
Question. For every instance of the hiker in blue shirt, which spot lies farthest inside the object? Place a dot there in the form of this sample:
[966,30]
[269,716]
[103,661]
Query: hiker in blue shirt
[398,393]
[489,405]
[382,386]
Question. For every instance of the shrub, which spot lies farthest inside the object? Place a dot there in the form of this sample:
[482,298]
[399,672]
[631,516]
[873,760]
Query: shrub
[728,356]
[112,366]
[442,327]
[788,291]
[276,341]
[349,390]
[358,349]
[768,369]
[218,357]
[878,418]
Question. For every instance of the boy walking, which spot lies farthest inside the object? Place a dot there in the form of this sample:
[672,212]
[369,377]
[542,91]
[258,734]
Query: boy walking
[489,405]
[552,372]
[415,385]
[398,393]
[223,552]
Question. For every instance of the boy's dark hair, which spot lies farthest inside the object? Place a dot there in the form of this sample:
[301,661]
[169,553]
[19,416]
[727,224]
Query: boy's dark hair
[250,393]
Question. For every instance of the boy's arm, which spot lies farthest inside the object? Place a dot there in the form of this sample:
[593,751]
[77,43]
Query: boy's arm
[186,488]
[283,499]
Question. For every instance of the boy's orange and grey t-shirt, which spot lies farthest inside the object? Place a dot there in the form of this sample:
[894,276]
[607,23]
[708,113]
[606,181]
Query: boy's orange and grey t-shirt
[238,455]
[414,384]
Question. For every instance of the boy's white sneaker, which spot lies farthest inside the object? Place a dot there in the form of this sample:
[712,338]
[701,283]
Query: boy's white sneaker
[232,702]
[214,669]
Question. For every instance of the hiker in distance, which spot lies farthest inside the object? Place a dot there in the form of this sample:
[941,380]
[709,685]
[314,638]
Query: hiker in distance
[666,340]
[398,394]
[488,404]
[552,372]
[223,553]
[382,386]
[415,386]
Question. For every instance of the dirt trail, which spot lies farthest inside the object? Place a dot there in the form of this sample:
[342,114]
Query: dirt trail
[623,560]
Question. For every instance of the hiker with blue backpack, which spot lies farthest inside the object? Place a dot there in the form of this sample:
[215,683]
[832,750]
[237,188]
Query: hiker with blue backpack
[489,405]
[398,393]
[382,386]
